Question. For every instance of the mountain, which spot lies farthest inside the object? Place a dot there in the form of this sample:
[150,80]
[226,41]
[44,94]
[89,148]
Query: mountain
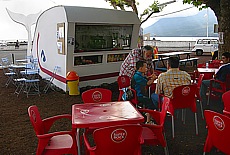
[190,26]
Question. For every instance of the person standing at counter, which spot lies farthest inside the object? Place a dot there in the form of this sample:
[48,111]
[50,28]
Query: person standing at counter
[128,67]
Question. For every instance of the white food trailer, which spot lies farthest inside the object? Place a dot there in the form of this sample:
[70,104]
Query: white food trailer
[90,41]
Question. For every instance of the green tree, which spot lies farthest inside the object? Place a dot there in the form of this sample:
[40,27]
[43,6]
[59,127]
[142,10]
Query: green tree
[145,15]
[221,9]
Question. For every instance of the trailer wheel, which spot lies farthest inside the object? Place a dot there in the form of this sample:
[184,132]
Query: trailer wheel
[199,52]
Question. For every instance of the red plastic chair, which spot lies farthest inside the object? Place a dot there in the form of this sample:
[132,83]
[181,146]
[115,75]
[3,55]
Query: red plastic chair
[194,76]
[183,97]
[116,140]
[198,97]
[201,65]
[63,142]
[157,72]
[152,87]
[224,86]
[218,132]
[217,61]
[97,95]
[214,65]
[153,134]
[124,82]
[226,100]
[210,65]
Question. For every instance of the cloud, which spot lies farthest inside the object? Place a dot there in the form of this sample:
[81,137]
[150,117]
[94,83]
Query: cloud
[11,30]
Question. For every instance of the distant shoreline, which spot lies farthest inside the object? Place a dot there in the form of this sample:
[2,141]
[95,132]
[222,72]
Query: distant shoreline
[12,48]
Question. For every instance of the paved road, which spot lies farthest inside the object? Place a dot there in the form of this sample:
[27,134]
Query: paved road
[21,53]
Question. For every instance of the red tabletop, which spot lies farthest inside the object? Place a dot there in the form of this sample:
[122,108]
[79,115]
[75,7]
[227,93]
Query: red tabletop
[208,72]
[104,114]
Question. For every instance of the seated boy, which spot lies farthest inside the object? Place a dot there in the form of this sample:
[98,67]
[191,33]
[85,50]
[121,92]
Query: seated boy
[140,82]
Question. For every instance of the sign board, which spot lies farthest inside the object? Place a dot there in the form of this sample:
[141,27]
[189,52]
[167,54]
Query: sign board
[61,38]
[216,27]
[221,37]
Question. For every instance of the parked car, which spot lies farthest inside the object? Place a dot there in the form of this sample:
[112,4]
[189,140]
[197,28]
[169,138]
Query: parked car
[2,45]
[205,45]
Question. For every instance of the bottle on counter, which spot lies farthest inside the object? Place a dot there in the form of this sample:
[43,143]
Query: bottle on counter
[206,64]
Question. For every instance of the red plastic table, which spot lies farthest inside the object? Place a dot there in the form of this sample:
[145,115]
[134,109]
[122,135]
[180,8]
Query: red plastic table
[208,72]
[103,114]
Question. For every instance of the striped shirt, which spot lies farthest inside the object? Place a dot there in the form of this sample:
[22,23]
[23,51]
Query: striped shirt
[171,79]
[129,64]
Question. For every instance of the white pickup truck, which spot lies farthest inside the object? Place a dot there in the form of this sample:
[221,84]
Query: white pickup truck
[204,45]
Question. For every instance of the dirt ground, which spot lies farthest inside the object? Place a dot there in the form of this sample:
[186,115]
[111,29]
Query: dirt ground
[17,136]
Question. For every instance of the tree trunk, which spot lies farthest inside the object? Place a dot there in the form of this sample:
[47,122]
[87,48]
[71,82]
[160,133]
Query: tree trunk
[224,26]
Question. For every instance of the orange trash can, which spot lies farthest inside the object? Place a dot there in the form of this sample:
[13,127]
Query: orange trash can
[72,79]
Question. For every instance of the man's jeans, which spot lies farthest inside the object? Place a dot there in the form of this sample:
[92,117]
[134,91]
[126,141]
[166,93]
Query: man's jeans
[203,89]
[155,99]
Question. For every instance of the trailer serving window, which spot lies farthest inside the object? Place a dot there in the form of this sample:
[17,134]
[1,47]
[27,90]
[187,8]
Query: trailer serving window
[116,57]
[86,60]
[102,37]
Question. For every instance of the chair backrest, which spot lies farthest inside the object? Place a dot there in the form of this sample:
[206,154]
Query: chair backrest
[5,64]
[96,95]
[192,75]
[196,73]
[36,120]
[5,61]
[29,58]
[123,81]
[217,61]
[210,65]
[184,97]
[226,100]
[218,131]
[29,66]
[56,68]
[164,109]
[214,65]
[200,79]
[114,140]
[201,65]
[157,72]
[35,63]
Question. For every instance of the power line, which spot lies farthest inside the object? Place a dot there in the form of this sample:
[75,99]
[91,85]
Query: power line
[173,12]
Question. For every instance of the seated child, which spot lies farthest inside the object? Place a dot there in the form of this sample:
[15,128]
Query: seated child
[140,82]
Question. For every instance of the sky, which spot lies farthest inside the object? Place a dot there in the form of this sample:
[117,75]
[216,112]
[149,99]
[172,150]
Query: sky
[11,30]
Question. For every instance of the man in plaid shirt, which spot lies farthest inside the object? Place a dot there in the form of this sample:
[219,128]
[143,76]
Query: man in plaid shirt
[172,78]
[128,67]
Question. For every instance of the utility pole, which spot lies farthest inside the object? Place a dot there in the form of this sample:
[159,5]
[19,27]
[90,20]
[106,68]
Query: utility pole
[207,22]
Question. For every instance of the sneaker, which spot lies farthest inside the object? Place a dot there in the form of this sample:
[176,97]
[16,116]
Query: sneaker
[168,114]
[150,122]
